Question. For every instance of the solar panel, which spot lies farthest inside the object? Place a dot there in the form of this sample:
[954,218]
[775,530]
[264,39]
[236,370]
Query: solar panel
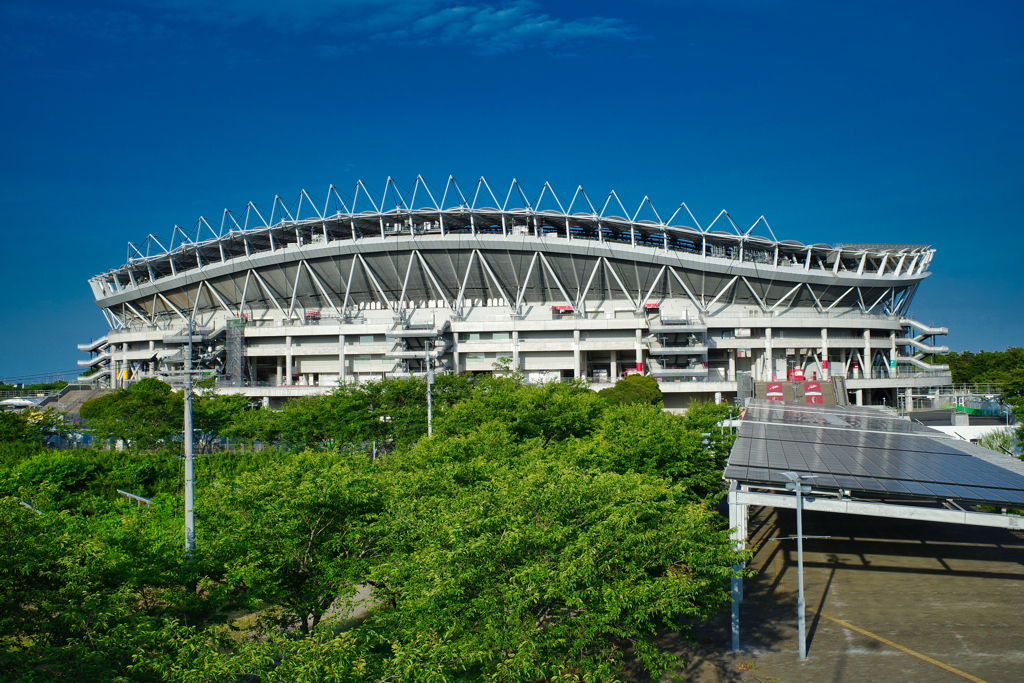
[866,450]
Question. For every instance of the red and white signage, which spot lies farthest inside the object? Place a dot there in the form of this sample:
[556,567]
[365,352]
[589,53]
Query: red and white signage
[812,392]
[774,391]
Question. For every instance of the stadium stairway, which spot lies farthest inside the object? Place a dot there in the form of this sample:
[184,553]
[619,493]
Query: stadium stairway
[824,392]
[71,398]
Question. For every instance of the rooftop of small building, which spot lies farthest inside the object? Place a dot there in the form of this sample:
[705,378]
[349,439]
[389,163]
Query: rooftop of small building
[944,418]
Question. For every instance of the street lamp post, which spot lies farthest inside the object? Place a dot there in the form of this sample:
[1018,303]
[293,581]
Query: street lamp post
[430,383]
[796,484]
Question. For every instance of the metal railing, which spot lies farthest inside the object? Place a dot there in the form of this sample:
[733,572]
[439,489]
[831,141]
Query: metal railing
[29,393]
[843,313]
[880,373]
[684,380]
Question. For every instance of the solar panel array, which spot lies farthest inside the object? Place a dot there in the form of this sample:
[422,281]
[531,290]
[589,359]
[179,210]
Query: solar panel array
[864,450]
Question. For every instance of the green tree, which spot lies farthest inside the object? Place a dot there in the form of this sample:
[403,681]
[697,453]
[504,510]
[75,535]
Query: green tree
[1000,441]
[534,570]
[68,477]
[550,411]
[219,656]
[296,534]
[255,425]
[537,534]
[634,388]
[391,413]
[213,413]
[643,438]
[32,426]
[968,367]
[81,595]
[15,428]
[141,416]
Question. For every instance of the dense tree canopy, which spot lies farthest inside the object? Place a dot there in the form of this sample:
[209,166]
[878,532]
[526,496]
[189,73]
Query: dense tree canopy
[15,428]
[31,427]
[968,367]
[512,563]
[633,388]
[538,535]
[1003,368]
[140,416]
[298,533]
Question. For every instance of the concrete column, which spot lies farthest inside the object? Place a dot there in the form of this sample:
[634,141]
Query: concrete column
[124,362]
[909,399]
[615,366]
[455,352]
[288,361]
[638,347]
[860,397]
[342,374]
[515,350]
[842,362]
[732,365]
[718,398]
[826,369]
[893,370]
[576,355]
[280,371]
[770,375]
[867,354]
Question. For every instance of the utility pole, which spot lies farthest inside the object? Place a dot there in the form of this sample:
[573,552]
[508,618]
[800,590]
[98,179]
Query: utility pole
[190,490]
[430,385]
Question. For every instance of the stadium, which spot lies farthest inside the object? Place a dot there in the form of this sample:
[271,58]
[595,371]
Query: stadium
[293,300]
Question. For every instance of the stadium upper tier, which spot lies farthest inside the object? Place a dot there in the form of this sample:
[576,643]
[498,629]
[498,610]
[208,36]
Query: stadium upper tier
[471,246]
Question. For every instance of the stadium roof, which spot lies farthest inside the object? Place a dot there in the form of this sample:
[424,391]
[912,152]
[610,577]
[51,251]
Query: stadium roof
[363,212]
[457,244]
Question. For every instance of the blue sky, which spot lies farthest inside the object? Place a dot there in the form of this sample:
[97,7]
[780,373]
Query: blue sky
[856,122]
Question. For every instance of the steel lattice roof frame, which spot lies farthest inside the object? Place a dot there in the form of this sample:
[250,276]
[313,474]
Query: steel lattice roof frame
[892,272]
[624,223]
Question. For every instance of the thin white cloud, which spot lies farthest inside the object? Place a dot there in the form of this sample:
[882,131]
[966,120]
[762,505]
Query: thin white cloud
[483,27]
[344,26]
[494,29]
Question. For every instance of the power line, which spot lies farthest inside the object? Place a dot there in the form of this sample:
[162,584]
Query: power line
[44,375]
